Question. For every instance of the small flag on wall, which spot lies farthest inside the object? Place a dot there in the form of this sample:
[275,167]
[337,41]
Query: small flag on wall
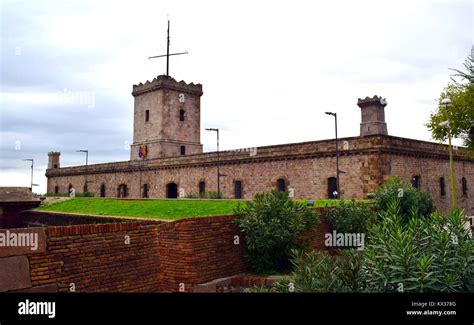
[142,151]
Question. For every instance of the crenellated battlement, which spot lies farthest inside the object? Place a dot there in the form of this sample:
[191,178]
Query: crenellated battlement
[166,82]
[376,100]
[373,115]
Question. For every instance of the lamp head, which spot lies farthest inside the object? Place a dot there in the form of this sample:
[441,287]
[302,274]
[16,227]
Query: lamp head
[445,123]
[446,102]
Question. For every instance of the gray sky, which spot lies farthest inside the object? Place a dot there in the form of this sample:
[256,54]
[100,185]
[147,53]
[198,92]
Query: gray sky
[269,69]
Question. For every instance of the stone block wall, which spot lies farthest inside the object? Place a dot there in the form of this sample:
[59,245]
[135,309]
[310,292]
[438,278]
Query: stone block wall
[366,162]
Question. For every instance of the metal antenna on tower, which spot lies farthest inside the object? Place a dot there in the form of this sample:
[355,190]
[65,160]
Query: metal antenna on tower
[167,52]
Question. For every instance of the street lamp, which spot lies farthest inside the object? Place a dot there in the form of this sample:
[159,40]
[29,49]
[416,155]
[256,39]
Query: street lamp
[446,103]
[337,154]
[32,163]
[87,161]
[218,161]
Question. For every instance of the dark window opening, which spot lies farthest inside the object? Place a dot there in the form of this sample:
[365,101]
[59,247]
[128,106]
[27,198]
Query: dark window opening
[442,186]
[181,115]
[238,189]
[415,182]
[122,191]
[147,115]
[202,188]
[56,189]
[145,191]
[182,150]
[102,190]
[171,191]
[281,185]
[464,186]
[84,189]
[55,165]
[332,188]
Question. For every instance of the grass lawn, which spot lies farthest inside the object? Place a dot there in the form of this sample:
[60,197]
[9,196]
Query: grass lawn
[155,209]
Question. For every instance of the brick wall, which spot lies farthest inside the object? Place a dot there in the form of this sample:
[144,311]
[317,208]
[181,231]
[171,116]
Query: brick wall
[197,250]
[161,257]
[95,258]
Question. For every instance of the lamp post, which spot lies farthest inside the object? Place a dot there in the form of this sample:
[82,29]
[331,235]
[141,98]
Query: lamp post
[446,103]
[218,161]
[87,162]
[337,154]
[31,183]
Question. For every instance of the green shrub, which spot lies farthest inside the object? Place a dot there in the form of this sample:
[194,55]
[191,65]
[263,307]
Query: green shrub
[433,254]
[424,254]
[351,216]
[272,225]
[85,194]
[207,195]
[412,200]
[319,272]
[56,195]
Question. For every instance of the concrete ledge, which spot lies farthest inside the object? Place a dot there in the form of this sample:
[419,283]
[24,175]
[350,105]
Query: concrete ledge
[211,286]
[48,288]
[15,273]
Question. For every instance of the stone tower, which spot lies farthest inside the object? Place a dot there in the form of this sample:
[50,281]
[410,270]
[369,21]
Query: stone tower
[53,160]
[373,115]
[167,119]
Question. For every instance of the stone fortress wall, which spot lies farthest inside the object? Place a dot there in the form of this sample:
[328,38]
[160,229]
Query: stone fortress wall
[305,169]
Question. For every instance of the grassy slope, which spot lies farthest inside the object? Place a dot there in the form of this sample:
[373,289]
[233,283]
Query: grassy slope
[159,209]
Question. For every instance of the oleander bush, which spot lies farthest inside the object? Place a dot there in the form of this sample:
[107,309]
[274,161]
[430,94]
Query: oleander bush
[413,202]
[207,195]
[273,224]
[352,216]
[429,254]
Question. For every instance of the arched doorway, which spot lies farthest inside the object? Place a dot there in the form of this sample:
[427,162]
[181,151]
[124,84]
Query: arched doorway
[202,188]
[238,189]
[145,191]
[281,185]
[122,191]
[171,191]
[102,190]
[332,188]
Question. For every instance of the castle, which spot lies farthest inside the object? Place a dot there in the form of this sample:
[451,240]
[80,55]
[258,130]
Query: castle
[167,159]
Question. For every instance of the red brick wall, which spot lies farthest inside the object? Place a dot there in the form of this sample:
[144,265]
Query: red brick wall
[95,258]
[197,250]
[166,257]
[316,235]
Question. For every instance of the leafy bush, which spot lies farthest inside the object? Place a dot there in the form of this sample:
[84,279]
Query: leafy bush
[432,254]
[423,254]
[320,272]
[412,200]
[351,216]
[207,195]
[272,225]
[85,194]
[55,195]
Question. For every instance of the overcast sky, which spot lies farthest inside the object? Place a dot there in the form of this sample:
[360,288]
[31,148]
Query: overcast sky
[269,70]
